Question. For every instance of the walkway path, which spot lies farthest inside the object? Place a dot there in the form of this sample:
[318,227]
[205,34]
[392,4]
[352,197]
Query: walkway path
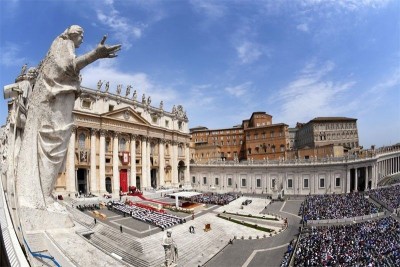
[263,252]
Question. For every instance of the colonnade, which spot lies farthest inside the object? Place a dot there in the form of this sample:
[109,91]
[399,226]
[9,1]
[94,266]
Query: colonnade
[388,166]
[301,178]
[99,166]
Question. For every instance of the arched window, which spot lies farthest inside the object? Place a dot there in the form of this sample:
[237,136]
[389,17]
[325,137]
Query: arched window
[122,144]
[108,185]
[82,138]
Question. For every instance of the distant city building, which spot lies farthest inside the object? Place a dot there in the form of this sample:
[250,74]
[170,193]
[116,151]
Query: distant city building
[322,131]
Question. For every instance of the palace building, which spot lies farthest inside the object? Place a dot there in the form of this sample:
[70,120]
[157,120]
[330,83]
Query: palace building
[258,138]
[323,131]
[255,138]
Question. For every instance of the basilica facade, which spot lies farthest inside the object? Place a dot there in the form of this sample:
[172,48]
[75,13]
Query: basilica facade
[118,142]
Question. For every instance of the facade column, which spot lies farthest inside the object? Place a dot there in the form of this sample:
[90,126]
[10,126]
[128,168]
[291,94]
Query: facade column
[356,180]
[366,178]
[373,175]
[116,184]
[102,161]
[348,178]
[148,163]
[174,160]
[132,180]
[71,176]
[144,161]
[93,174]
[161,161]
[187,164]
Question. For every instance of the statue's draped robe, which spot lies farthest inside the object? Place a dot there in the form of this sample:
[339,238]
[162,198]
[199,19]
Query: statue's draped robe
[48,126]
[170,250]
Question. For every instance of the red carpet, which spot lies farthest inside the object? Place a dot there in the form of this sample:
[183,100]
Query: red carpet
[154,201]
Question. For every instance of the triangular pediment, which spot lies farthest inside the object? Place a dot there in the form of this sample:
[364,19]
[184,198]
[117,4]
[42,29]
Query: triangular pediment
[126,114]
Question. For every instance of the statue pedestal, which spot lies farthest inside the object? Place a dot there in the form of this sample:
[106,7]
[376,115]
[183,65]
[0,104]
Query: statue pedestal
[53,217]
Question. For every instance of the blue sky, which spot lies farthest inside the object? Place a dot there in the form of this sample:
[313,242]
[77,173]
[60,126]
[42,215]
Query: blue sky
[223,60]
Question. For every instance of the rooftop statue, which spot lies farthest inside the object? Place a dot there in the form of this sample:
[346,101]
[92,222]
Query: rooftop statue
[49,125]
[119,89]
[99,84]
[134,97]
[107,87]
[128,90]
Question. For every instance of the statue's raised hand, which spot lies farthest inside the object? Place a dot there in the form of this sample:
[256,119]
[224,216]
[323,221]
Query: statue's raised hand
[103,51]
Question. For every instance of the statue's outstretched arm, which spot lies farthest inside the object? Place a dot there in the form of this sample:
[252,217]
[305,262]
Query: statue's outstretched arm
[101,51]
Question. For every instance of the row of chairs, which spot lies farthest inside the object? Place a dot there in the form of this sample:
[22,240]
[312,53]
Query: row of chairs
[162,220]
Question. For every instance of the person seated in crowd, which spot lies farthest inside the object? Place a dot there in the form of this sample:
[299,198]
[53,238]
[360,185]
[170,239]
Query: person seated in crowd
[370,243]
[336,206]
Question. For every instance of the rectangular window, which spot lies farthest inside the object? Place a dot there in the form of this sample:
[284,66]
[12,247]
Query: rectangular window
[204,180]
[86,104]
[166,124]
[337,181]
[229,181]
[243,182]
[258,182]
[216,181]
[193,179]
[305,183]
[290,183]
[322,182]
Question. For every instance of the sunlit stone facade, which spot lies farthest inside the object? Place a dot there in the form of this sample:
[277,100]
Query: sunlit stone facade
[119,142]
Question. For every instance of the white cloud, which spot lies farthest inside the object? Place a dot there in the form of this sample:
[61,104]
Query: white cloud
[141,82]
[239,90]
[123,29]
[312,94]
[10,55]
[212,9]
[303,27]
[350,5]
[248,52]
[200,96]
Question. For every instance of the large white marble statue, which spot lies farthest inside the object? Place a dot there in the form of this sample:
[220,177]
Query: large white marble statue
[49,124]
[170,249]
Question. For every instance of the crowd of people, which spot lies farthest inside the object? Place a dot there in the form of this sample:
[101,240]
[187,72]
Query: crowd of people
[370,243]
[84,207]
[336,206]
[286,257]
[388,195]
[162,220]
[214,198]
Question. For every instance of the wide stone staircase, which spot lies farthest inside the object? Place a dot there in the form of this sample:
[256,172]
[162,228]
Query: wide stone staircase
[124,240]
[130,256]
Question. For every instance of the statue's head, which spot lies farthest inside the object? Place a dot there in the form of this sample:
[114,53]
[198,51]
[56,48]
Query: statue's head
[169,232]
[74,33]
